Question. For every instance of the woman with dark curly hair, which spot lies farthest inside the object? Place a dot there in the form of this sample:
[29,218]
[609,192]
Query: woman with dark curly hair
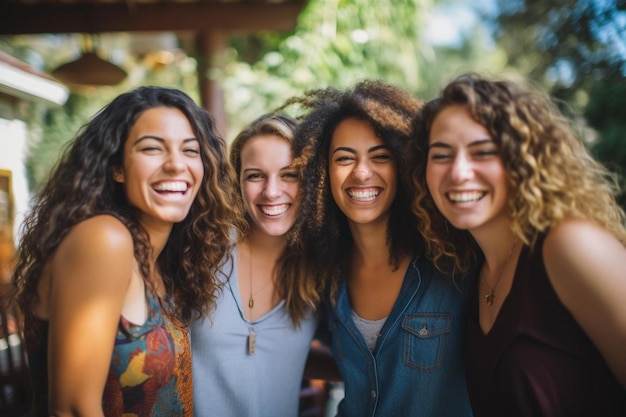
[119,253]
[396,324]
[249,354]
[515,190]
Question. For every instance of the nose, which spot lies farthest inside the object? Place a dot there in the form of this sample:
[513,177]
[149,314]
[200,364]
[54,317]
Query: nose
[362,171]
[174,162]
[272,188]
[462,168]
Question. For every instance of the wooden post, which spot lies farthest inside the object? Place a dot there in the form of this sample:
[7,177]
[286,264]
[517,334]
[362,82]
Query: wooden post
[210,47]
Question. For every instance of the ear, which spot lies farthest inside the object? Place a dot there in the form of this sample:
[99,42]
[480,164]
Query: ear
[118,174]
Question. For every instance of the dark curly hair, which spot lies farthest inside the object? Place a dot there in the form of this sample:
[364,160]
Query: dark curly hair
[82,186]
[295,281]
[551,174]
[322,227]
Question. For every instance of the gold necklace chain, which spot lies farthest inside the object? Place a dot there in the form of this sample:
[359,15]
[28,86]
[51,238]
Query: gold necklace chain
[252,294]
[490,295]
[251,340]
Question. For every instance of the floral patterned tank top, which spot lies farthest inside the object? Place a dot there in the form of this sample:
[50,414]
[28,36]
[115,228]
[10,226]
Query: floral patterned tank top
[150,373]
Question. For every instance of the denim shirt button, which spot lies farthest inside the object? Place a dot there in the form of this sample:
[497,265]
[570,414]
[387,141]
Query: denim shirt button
[373,394]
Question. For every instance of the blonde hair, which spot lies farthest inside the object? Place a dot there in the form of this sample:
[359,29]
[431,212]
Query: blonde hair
[551,174]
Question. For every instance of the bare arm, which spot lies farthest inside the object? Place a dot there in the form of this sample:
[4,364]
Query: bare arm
[91,272]
[587,268]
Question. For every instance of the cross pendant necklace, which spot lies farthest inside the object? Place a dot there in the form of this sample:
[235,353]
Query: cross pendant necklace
[490,295]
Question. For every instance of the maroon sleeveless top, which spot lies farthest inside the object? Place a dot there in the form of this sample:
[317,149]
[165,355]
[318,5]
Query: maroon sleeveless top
[536,360]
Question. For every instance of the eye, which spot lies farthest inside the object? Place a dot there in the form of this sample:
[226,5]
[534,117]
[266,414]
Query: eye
[343,159]
[486,153]
[290,175]
[439,156]
[192,151]
[255,176]
[382,157]
[150,149]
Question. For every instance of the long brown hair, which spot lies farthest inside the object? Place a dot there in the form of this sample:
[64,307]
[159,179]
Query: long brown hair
[81,186]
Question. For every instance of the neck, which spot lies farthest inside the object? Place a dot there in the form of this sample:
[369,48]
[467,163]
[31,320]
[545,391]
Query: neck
[264,245]
[497,246]
[370,242]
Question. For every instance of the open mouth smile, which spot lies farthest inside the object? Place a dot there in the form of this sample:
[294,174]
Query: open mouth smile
[465,196]
[275,210]
[171,187]
[363,194]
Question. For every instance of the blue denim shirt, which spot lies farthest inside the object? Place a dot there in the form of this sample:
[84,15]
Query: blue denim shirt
[416,367]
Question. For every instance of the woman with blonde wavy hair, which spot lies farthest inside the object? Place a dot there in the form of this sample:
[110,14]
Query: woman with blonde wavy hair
[516,193]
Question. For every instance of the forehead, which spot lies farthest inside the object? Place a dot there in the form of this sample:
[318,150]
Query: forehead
[353,132]
[454,123]
[166,122]
[266,147]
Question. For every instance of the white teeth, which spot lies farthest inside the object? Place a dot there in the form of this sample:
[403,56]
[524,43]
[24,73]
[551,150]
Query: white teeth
[175,186]
[465,197]
[274,210]
[364,195]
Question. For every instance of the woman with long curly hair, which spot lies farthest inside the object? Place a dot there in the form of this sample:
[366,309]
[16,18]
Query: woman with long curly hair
[396,324]
[119,253]
[517,194]
[249,354]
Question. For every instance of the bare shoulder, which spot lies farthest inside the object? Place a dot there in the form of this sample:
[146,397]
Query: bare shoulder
[102,232]
[578,239]
[583,260]
[100,238]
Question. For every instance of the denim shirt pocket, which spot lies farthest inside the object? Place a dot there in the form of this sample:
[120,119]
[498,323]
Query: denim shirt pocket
[425,340]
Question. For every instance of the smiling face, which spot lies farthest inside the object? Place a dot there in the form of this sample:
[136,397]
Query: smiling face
[162,166]
[362,173]
[269,185]
[464,173]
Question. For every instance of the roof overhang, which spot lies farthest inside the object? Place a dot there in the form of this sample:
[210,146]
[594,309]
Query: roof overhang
[20,18]
[17,79]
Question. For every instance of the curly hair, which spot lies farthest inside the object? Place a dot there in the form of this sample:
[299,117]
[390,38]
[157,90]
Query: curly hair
[81,186]
[550,173]
[295,281]
[322,227]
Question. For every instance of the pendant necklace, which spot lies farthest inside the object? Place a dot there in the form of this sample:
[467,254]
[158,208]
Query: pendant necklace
[251,342]
[490,296]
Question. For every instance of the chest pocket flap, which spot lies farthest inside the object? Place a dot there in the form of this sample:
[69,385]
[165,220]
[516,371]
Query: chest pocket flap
[426,340]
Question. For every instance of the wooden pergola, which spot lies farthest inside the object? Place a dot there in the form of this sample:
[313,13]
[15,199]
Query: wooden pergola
[210,22]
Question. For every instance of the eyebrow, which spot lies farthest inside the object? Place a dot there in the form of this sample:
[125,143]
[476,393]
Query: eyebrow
[160,139]
[285,168]
[352,150]
[446,145]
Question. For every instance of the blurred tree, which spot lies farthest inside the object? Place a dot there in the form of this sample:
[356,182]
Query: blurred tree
[339,42]
[606,113]
[566,45]
[577,50]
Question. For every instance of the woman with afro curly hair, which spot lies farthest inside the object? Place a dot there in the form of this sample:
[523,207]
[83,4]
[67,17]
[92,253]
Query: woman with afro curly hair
[517,194]
[119,253]
[396,324]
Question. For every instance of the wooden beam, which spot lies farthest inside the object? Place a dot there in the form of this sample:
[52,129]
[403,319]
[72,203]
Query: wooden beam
[22,19]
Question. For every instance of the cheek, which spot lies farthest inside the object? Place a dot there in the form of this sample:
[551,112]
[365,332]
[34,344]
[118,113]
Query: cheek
[248,193]
[293,190]
[430,178]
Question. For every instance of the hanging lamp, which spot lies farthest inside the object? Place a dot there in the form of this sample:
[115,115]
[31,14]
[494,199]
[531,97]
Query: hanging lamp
[89,69]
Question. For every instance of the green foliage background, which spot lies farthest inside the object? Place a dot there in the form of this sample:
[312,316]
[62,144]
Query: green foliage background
[574,48]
